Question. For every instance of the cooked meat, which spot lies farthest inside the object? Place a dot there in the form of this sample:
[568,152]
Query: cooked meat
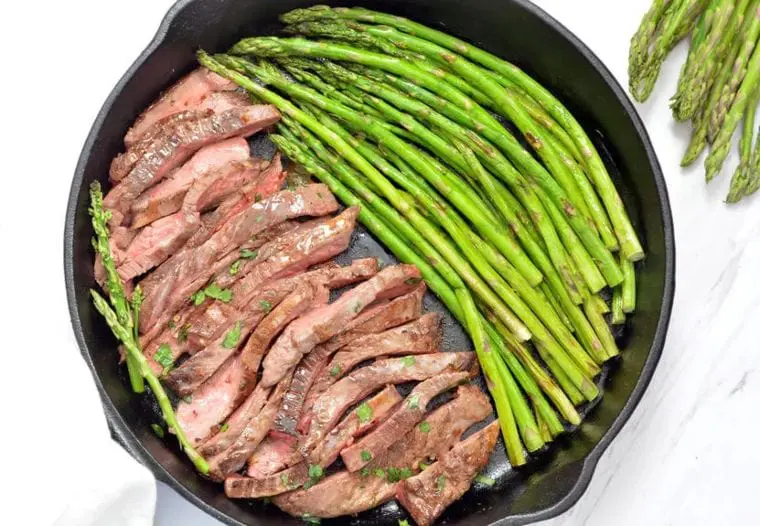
[356,423]
[240,487]
[208,406]
[173,148]
[296,303]
[277,452]
[207,410]
[347,493]
[357,385]
[409,414]
[187,272]
[208,193]
[322,324]
[427,495]
[422,336]
[376,318]
[233,458]
[166,197]
[186,94]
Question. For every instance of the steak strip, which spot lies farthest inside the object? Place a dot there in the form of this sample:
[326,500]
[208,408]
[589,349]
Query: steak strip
[352,388]
[240,487]
[345,493]
[427,495]
[277,452]
[403,420]
[321,324]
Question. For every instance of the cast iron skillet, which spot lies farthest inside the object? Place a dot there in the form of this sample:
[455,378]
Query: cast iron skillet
[514,29]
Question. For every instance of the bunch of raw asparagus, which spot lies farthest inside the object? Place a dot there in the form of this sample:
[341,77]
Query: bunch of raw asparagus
[396,118]
[720,81]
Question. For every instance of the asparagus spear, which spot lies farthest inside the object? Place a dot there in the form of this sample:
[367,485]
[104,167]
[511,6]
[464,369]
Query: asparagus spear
[753,181]
[598,173]
[722,142]
[618,315]
[741,176]
[628,287]
[405,253]
[641,43]
[741,66]
[121,317]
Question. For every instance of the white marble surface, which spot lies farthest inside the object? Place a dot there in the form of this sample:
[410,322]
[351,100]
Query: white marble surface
[688,455]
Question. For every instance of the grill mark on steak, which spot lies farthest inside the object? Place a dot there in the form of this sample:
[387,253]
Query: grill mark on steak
[234,457]
[377,318]
[345,493]
[185,94]
[409,414]
[425,497]
[381,405]
[166,197]
[240,487]
[187,272]
[357,385]
[173,148]
[321,324]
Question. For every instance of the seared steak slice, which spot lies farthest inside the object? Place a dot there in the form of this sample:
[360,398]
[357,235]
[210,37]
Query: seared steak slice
[427,495]
[377,318]
[403,420]
[200,413]
[166,197]
[187,272]
[240,487]
[347,493]
[362,382]
[322,324]
[186,94]
[203,419]
[356,423]
[173,148]
[233,458]
[277,452]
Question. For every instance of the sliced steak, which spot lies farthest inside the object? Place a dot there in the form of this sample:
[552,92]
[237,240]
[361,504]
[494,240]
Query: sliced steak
[277,452]
[427,495]
[356,423]
[166,197]
[322,324]
[174,147]
[357,385]
[233,458]
[345,493]
[213,401]
[186,94]
[422,336]
[411,412]
[377,318]
[240,487]
[187,272]
[203,408]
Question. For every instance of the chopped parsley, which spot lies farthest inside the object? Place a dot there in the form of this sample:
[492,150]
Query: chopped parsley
[164,356]
[183,332]
[246,253]
[364,472]
[408,361]
[425,427]
[265,306]
[412,281]
[235,267]
[365,455]
[285,480]
[224,427]
[187,399]
[259,218]
[198,298]
[308,518]
[316,471]
[440,483]
[357,307]
[424,466]
[335,370]
[364,412]
[486,481]
[403,522]
[257,198]
[397,474]
[158,430]
[413,402]
[379,473]
[232,338]
[172,325]
[218,293]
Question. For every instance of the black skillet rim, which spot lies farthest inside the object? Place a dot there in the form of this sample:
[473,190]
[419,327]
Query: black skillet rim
[129,441]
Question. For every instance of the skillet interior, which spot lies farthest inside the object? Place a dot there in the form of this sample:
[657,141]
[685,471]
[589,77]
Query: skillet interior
[513,29]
